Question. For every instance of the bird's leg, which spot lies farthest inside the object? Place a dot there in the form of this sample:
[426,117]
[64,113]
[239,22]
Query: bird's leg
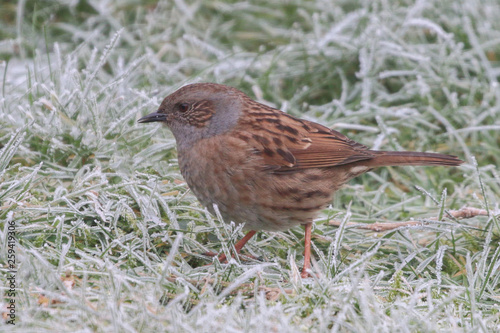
[307,250]
[239,245]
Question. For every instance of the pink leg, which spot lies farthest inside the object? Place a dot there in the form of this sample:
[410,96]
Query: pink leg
[238,246]
[307,250]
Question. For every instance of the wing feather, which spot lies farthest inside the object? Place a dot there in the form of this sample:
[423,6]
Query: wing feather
[287,143]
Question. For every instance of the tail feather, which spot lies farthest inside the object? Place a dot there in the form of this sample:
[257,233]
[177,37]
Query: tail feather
[395,158]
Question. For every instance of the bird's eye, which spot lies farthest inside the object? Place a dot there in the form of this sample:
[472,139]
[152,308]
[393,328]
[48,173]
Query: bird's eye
[183,107]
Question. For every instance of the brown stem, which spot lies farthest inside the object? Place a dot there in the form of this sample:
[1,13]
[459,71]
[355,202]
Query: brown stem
[466,212]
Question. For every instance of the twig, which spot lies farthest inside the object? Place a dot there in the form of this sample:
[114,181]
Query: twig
[462,213]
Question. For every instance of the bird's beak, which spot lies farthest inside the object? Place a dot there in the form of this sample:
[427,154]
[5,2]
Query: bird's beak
[155,116]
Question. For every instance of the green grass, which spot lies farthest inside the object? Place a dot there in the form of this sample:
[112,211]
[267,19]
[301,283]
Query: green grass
[98,199]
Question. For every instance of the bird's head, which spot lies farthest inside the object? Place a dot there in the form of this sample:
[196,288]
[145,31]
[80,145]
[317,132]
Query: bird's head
[198,111]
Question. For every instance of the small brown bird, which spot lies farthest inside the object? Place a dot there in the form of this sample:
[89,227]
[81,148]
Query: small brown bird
[261,166]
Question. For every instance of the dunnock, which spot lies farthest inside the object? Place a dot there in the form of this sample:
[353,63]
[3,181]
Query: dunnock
[261,166]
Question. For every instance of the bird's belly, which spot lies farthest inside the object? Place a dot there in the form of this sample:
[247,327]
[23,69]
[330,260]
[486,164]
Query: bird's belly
[246,193]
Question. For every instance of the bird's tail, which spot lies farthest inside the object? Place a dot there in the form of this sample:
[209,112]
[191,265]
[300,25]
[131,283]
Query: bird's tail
[395,158]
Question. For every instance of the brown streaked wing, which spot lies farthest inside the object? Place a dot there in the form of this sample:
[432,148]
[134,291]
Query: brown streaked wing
[287,143]
[328,150]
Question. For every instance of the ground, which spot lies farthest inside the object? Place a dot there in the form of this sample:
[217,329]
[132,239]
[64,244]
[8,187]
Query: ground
[98,231]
